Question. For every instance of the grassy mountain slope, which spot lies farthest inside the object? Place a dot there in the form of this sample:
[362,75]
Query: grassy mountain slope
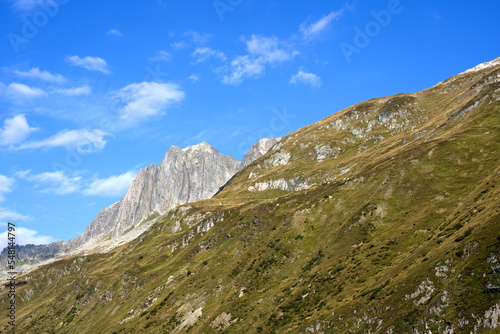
[380,218]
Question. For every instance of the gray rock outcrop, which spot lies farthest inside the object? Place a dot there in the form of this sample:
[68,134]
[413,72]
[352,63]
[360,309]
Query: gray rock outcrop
[257,150]
[185,175]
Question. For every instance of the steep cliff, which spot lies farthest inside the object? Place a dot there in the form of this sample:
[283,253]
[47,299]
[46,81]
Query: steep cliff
[185,175]
[257,150]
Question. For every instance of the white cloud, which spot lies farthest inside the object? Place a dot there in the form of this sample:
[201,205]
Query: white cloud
[112,186]
[114,32]
[269,49]
[56,182]
[35,73]
[9,215]
[147,99]
[306,78]
[161,55]
[15,130]
[241,68]
[87,141]
[22,174]
[25,236]
[18,90]
[194,38]
[193,78]
[198,37]
[203,54]
[312,30]
[179,45]
[83,90]
[6,185]
[90,63]
[262,51]
[60,183]
[25,7]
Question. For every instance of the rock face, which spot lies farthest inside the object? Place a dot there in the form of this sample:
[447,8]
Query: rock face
[185,175]
[259,149]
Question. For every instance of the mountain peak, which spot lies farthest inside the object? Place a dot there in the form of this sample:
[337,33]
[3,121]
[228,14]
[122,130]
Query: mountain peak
[203,146]
[189,174]
[485,65]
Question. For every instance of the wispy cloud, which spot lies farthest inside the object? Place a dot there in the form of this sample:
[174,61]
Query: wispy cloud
[112,186]
[198,38]
[147,99]
[306,78]
[25,7]
[193,38]
[266,51]
[203,54]
[90,63]
[60,183]
[114,32]
[87,140]
[161,55]
[83,90]
[22,91]
[435,14]
[9,215]
[6,185]
[269,49]
[193,78]
[36,73]
[312,30]
[53,182]
[15,130]
[241,68]
[179,45]
[25,236]
[262,51]
[204,135]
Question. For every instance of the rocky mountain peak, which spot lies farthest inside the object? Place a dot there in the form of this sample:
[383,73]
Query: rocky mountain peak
[184,175]
[203,146]
[258,149]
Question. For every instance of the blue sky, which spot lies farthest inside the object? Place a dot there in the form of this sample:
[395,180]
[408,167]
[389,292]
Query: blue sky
[92,91]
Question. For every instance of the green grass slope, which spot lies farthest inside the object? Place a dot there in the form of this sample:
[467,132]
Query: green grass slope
[382,218]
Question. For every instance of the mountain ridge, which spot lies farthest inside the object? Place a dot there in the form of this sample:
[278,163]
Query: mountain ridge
[184,175]
[380,218]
